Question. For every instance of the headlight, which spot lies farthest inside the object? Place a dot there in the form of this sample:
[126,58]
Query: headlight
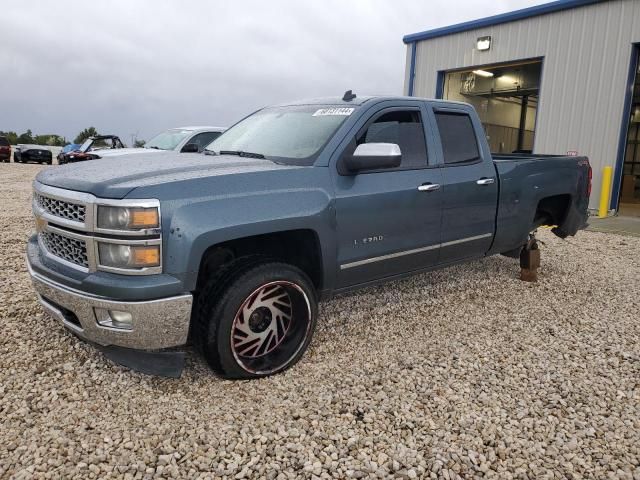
[116,255]
[127,218]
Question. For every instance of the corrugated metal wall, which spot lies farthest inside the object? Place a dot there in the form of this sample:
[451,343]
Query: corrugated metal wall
[586,54]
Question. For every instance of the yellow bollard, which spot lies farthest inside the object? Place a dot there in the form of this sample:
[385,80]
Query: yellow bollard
[605,191]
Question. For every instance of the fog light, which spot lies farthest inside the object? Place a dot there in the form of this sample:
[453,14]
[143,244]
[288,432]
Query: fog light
[114,319]
[121,319]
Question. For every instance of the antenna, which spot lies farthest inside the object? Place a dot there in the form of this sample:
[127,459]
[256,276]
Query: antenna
[348,96]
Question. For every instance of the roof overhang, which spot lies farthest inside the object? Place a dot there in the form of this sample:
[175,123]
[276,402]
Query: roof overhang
[529,12]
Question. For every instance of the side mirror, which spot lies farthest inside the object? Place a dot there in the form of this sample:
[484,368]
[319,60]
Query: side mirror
[191,148]
[374,156]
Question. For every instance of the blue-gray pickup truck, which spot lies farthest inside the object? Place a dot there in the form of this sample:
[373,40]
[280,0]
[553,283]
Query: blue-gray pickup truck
[232,249]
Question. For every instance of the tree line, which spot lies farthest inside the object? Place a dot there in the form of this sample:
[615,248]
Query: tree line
[29,138]
[53,140]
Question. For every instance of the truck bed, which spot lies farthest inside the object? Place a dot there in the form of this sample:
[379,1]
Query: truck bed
[539,190]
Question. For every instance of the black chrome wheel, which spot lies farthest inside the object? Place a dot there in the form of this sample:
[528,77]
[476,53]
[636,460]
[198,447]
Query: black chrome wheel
[255,320]
[270,326]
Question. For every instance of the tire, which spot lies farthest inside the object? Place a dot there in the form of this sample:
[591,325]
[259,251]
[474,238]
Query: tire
[241,323]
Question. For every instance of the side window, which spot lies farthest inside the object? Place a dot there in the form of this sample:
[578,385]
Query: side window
[458,137]
[403,128]
[204,139]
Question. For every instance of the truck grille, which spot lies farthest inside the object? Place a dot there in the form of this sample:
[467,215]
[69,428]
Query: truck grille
[69,249]
[61,208]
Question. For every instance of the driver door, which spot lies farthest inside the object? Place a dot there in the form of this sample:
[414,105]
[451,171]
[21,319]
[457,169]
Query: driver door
[388,223]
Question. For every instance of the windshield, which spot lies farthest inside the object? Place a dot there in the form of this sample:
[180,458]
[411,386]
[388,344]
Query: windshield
[168,140]
[86,145]
[293,134]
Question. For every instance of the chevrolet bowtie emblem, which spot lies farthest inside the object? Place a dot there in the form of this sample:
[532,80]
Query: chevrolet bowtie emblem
[41,223]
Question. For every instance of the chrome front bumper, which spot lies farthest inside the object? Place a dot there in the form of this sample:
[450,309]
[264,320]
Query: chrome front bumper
[157,324]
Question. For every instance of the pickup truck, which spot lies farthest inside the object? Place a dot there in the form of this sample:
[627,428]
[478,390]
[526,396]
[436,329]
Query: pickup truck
[232,249]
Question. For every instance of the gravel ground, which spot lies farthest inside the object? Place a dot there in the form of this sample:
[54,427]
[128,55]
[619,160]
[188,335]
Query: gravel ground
[465,372]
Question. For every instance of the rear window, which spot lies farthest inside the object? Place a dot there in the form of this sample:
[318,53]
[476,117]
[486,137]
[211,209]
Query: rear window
[458,137]
[3,142]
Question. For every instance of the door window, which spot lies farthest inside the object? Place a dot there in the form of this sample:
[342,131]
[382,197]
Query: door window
[404,128]
[458,138]
[204,139]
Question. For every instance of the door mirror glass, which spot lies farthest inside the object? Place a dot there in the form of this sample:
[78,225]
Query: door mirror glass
[374,156]
[191,148]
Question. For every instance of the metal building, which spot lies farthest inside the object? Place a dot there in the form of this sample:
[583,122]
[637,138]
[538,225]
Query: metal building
[558,78]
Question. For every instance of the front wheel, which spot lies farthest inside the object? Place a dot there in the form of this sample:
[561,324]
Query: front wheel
[257,320]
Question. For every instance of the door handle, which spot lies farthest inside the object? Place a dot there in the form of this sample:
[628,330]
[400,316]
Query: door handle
[429,187]
[485,181]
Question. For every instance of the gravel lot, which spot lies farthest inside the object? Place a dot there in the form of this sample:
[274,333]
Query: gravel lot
[465,372]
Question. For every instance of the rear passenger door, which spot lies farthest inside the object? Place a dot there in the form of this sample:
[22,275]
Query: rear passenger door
[470,186]
[386,223]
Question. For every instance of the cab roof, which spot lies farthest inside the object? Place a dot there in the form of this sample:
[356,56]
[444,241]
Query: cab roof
[338,101]
[194,128]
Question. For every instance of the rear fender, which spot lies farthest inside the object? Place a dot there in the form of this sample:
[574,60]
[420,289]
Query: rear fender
[520,194]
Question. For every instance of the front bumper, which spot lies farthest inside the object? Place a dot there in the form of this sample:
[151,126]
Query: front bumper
[157,324]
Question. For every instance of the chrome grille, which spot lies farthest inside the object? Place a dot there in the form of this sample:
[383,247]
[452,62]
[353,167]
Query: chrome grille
[61,208]
[69,249]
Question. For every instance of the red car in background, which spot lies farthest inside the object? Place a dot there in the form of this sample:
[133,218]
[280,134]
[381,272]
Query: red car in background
[87,149]
[5,150]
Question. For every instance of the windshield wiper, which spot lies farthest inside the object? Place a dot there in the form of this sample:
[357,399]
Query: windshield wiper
[241,154]
[157,148]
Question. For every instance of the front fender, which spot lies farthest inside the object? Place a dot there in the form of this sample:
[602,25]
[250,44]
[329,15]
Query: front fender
[196,226]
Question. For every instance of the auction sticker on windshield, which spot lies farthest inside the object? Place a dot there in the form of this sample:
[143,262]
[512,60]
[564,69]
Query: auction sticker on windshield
[333,111]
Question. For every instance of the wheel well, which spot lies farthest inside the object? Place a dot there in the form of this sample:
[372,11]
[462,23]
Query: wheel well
[296,247]
[552,210]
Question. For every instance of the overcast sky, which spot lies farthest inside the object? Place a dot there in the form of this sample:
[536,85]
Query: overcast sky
[140,66]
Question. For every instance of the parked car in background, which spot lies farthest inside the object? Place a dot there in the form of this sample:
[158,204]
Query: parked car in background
[293,204]
[90,148]
[32,153]
[184,139]
[66,149]
[5,150]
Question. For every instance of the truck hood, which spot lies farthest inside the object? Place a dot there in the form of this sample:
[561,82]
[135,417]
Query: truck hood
[116,152]
[116,177]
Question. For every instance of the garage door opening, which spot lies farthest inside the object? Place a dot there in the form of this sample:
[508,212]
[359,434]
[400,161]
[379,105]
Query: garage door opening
[630,191]
[506,99]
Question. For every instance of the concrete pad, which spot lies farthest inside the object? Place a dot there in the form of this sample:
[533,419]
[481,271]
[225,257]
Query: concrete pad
[618,224]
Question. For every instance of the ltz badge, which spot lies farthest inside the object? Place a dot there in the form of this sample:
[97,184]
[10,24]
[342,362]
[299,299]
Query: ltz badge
[365,240]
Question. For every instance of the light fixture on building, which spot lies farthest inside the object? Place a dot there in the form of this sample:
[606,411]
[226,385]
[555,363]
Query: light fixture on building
[483,43]
[483,73]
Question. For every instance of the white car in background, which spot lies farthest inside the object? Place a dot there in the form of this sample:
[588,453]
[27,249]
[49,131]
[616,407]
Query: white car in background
[184,139]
